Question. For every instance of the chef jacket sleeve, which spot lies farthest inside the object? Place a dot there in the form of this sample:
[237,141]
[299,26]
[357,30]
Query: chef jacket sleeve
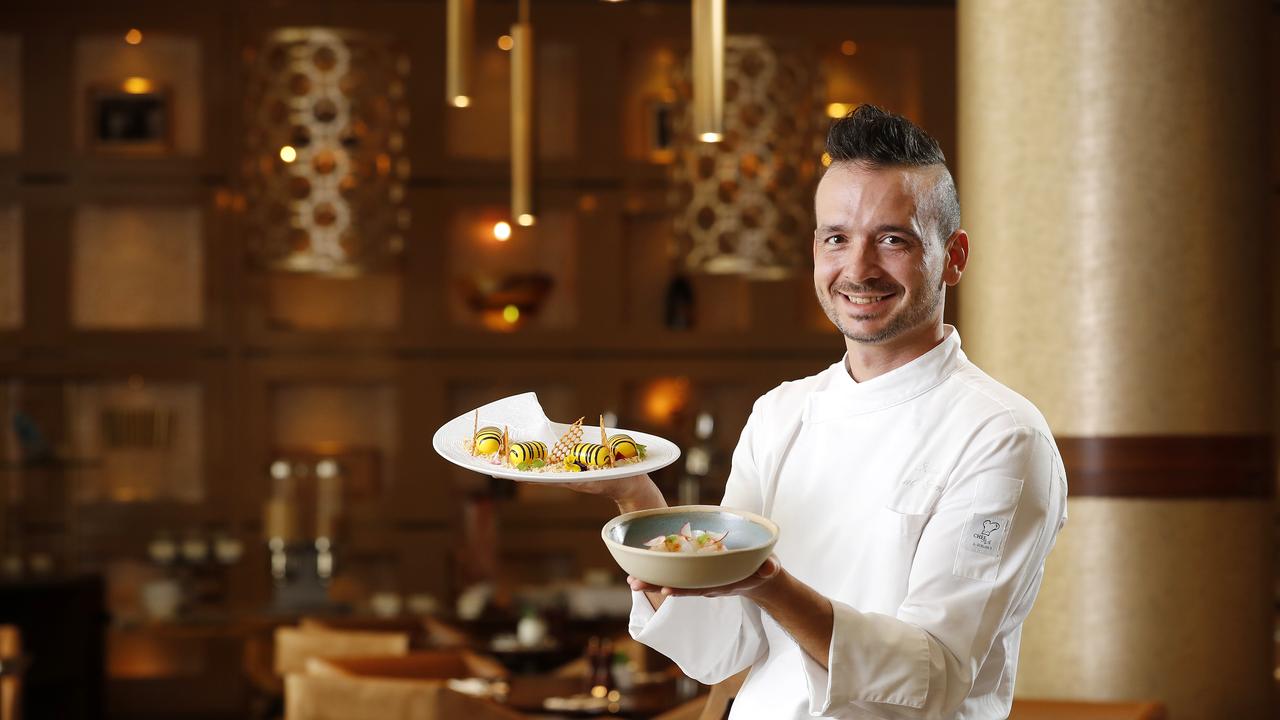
[711,639]
[976,570]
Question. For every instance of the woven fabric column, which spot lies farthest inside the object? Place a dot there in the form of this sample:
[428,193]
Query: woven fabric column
[1112,177]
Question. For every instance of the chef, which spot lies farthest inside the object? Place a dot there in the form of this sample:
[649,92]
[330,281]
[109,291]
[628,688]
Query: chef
[917,497]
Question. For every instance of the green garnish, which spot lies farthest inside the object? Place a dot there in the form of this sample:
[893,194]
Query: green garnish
[642,450]
[531,464]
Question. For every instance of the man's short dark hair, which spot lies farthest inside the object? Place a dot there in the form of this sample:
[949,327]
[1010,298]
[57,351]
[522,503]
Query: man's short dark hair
[873,137]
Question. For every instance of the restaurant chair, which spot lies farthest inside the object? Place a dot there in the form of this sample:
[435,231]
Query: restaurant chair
[337,697]
[1082,710]
[295,645]
[422,665]
[424,632]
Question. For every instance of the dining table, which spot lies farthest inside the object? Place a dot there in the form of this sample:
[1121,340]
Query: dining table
[529,695]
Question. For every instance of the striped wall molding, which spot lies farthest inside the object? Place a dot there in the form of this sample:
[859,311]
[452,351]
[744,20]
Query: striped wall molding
[1170,466]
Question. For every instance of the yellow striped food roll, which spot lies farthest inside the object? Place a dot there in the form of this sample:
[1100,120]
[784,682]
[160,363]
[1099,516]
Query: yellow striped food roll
[623,446]
[590,454]
[487,440]
[523,452]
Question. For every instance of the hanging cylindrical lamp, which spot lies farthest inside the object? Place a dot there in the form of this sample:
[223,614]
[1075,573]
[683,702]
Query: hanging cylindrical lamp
[708,69]
[522,204]
[459,49]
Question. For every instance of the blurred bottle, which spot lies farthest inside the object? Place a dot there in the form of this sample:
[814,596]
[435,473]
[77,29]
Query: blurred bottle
[678,305]
[602,668]
[697,463]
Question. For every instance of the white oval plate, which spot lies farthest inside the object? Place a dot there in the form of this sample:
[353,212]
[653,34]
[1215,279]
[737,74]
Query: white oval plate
[450,438]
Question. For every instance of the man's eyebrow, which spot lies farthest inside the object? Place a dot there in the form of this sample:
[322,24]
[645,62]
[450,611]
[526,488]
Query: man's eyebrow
[898,229]
[895,229]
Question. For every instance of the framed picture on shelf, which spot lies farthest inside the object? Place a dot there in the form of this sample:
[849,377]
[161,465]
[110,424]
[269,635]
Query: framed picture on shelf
[134,117]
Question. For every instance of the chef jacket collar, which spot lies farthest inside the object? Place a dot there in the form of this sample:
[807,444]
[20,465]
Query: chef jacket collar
[843,396]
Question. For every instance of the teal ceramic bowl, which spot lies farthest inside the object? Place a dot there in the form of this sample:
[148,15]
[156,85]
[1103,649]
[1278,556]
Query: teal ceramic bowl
[750,541]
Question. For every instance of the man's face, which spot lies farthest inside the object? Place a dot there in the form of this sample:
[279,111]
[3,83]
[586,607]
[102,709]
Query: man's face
[877,265]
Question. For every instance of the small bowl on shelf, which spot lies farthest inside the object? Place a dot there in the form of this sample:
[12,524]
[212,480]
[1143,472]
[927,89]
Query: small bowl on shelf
[749,541]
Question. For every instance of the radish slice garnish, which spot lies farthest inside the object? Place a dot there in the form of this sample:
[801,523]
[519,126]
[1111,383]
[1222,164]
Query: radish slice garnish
[656,541]
[686,532]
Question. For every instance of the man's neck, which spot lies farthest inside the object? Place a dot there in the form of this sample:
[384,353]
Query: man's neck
[865,362]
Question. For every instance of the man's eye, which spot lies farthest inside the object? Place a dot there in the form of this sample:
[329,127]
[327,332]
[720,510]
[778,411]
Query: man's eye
[894,240]
[833,239]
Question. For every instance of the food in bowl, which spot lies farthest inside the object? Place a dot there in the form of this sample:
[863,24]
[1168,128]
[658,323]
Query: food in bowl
[748,540]
[689,540]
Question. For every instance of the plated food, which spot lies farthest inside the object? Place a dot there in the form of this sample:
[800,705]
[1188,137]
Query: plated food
[475,441]
[568,454]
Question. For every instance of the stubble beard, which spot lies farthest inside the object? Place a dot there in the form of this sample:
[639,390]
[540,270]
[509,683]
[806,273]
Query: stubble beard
[920,310]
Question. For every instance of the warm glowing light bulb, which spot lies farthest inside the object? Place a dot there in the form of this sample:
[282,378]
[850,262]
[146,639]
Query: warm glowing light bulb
[599,691]
[288,154]
[461,101]
[525,220]
[502,231]
[849,47]
[133,37]
[710,137]
[137,85]
[511,314]
[505,42]
[838,110]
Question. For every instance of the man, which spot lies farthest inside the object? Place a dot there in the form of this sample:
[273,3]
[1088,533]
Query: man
[917,497]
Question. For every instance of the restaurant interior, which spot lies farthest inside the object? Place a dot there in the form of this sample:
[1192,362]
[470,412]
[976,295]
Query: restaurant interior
[254,253]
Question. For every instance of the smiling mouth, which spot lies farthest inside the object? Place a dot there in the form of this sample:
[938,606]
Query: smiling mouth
[865,299]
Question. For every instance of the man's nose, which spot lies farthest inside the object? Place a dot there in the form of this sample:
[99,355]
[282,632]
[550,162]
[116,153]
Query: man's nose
[862,263]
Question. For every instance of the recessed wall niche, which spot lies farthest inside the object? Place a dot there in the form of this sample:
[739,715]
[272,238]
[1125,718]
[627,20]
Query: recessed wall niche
[10,267]
[886,74]
[336,419]
[482,131]
[503,277]
[136,440]
[10,94]
[137,267]
[317,303]
[161,70]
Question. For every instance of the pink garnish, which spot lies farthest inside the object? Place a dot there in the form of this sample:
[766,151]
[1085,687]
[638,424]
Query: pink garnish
[656,541]
[686,532]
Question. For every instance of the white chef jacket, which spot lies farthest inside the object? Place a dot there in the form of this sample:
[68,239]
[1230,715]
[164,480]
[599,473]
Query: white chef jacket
[922,503]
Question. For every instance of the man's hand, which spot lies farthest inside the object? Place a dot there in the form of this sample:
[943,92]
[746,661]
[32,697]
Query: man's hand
[629,493]
[805,614]
[752,586]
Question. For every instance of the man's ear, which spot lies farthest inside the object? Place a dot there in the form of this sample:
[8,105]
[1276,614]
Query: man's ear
[957,257]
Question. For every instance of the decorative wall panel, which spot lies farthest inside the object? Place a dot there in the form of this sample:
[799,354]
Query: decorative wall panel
[137,441]
[11,282]
[745,204]
[137,267]
[325,161]
[10,94]
[317,303]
